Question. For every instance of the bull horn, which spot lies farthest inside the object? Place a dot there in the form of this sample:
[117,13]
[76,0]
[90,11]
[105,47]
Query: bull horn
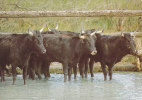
[82,29]
[42,28]
[29,32]
[103,28]
[98,27]
[56,26]
[48,28]
[122,33]
[134,33]
[93,33]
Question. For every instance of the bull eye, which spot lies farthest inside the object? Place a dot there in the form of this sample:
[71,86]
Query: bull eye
[128,41]
[38,36]
[129,47]
[37,41]
[88,43]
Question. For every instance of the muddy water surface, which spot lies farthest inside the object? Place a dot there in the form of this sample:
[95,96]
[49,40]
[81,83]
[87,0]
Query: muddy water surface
[124,86]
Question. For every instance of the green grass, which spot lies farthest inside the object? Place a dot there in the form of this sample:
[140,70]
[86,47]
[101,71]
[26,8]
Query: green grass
[71,24]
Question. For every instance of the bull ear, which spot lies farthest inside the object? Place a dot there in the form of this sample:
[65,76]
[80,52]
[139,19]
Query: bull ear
[42,28]
[56,26]
[98,35]
[29,32]
[48,28]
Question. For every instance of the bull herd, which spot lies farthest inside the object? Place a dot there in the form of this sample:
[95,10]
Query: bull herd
[35,50]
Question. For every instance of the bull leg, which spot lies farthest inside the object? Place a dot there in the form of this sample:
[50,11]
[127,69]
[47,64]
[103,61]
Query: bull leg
[38,74]
[75,71]
[91,67]
[81,68]
[69,72]
[1,74]
[45,75]
[7,71]
[24,74]
[30,76]
[65,69]
[48,66]
[38,70]
[86,70]
[4,69]
[110,72]
[25,70]
[3,77]
[86,67]
[14,74]
[32,73]
[45,68]
[33,70]
[104,71]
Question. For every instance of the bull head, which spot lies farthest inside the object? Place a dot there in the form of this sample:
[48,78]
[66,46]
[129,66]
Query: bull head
[82,31]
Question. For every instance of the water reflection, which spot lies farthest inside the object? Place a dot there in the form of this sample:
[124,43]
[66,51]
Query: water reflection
[124,86]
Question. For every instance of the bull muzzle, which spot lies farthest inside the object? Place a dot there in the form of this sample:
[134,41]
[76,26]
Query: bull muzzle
[134,52]
[44,51]
[137,52]
[93,52]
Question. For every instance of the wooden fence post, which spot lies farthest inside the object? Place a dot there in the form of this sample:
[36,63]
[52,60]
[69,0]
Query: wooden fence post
[94,13]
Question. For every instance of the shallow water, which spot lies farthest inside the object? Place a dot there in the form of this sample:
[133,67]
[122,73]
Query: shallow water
[124,86]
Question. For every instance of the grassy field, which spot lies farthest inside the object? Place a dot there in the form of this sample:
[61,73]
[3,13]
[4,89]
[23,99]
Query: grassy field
[73,24]
[112,24]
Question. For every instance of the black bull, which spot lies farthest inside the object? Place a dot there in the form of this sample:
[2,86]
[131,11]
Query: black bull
[110,50]
[15,49]
[66,48]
